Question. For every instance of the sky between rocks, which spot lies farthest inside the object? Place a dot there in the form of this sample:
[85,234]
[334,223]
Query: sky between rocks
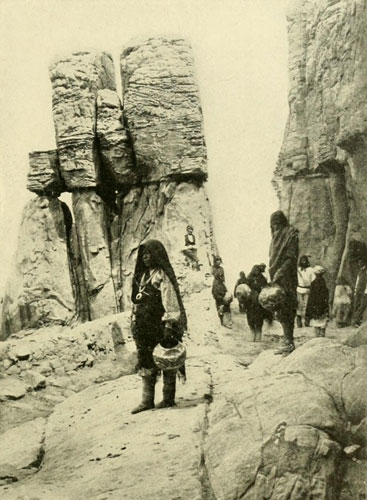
[240,51]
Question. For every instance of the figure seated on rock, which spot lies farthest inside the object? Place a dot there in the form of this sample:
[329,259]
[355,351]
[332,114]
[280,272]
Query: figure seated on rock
[190,250]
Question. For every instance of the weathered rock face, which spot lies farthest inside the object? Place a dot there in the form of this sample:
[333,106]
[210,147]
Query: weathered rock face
[75,82]
[59,351]
[40,289]
[29,453]
[279,431]
[114,144]
[91,229]
[321,175]
[162,109]
[44,173]
[317,205]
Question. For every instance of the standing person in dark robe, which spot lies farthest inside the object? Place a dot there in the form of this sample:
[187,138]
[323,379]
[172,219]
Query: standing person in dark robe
[158,315]
[255,312]
[317,311]
[262,268]
[219,292]
[242,280]
[283,272]
[268,315]
[360,295]
[256,280]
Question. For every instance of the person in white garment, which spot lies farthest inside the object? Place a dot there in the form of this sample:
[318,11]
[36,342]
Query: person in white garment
[305,276]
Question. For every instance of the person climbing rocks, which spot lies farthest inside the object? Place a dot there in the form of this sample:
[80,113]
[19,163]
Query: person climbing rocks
[190,250]
[158,314]
[305,277]
[255,312]
[360,294]
[317,311]
[283,272]
[220,293]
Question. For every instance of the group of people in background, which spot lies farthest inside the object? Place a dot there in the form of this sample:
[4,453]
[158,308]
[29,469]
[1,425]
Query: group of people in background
[305,296]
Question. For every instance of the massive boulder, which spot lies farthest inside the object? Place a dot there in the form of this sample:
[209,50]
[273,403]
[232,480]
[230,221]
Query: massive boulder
[282,429]
[162,109]
[76,80]
[321,173]
[40,289]
[44,173]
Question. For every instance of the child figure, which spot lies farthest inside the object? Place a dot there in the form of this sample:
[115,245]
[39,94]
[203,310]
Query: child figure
[190,250]
[318,303]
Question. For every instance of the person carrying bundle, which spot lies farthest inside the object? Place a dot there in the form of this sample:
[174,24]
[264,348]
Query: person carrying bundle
[283,272]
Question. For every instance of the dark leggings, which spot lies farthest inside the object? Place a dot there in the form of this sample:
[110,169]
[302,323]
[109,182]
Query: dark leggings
[286,315]
[145,348]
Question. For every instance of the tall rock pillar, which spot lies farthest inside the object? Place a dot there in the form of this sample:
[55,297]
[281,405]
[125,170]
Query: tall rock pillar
[161,109]
[76,82]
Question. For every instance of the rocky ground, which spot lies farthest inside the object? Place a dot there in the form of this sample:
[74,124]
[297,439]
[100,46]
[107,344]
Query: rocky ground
[68,433]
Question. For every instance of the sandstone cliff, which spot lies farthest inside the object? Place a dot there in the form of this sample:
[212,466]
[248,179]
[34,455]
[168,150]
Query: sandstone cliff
[321,173]
[136,170]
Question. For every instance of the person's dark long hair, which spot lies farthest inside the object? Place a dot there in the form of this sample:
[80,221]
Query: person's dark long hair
[306,259]
[159,259]
[279,217]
